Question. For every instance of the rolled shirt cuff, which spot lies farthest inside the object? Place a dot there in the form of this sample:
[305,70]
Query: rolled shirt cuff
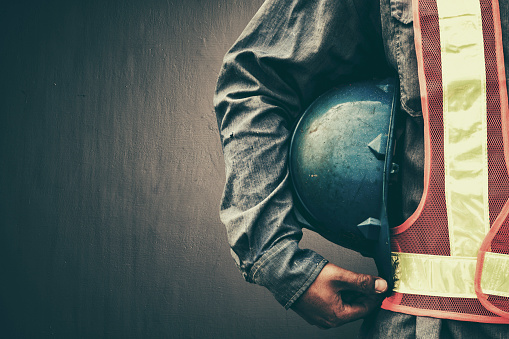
[287,271]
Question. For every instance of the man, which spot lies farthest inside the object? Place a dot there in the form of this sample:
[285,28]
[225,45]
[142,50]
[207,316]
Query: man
[291,52]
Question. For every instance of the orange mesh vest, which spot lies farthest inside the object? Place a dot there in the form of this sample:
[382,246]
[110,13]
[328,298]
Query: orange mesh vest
[451,257]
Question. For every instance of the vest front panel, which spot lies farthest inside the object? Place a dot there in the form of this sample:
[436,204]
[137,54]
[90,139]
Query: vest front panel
[451,256]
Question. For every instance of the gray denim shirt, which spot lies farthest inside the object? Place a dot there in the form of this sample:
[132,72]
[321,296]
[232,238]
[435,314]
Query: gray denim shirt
[291,52]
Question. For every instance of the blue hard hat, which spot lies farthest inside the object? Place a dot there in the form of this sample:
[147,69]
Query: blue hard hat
[340,163]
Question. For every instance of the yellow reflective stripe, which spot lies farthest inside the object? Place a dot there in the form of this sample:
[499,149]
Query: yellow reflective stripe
[446,276]
[495,276]
[465,130]
[434,275]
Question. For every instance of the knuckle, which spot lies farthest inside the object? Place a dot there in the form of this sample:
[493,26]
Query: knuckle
[325,323]
[365,282]
[332,322]
[339,318]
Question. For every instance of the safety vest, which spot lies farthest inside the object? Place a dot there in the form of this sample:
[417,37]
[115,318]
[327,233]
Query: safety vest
[451,257]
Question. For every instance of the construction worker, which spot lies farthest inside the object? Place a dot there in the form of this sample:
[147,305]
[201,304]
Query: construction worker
[450,239]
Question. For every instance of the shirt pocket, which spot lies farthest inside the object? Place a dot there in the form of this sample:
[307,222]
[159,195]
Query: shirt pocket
[401,10]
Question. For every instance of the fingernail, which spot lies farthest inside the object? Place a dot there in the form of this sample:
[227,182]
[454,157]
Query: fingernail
[380,285]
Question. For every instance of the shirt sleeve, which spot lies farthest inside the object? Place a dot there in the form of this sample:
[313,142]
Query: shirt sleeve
[289,53]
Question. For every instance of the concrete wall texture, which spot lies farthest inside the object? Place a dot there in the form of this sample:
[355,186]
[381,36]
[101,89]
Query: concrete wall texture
[111,173]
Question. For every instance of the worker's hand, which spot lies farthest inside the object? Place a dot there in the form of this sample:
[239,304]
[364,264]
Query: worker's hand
[339,296]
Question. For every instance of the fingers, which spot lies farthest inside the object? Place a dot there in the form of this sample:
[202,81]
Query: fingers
[359,294]
[344,312]
[358,310]
[361,282]
[338,296]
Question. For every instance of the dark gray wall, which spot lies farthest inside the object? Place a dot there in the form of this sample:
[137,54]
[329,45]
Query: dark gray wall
[111,173]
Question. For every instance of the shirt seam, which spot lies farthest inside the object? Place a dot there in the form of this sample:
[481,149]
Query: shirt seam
[257,266]
[306,284]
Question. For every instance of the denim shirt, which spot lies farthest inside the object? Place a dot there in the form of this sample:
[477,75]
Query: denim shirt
[291,52]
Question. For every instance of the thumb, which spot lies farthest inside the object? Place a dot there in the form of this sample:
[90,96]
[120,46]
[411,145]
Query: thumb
[364,283]
[380,285]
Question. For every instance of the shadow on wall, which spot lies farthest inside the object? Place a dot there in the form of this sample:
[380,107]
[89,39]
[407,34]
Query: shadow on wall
[112,174]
